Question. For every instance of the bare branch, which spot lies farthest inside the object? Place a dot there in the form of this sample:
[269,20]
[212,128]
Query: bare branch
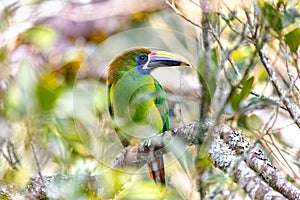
[290,106]
[11,157]
[36,159]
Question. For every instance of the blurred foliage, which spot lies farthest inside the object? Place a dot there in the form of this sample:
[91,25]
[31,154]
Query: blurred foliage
[39,36]
[239,95]
[283,20]
[53,92]
[55,106]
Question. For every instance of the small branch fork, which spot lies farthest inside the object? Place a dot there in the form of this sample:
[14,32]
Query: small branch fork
[291,107]
[230,152]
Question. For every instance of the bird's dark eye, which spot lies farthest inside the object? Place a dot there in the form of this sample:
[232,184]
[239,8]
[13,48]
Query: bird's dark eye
[142,58]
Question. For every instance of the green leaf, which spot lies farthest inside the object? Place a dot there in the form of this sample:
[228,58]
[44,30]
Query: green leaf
[247,86]
[238,96]
[235,101]
[253,122]
[263,74]
[265,102]
[242,121]
[46,96]
[206,75]
[273,16]
[215,56]
[293,39]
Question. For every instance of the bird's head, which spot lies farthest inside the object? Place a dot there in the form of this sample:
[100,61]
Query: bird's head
[143,60]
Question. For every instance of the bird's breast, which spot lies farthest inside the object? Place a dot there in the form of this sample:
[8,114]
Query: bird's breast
[133,101]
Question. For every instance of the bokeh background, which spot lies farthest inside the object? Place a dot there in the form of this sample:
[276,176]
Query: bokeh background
[54,122]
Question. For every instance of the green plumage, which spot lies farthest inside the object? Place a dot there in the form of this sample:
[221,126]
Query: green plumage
[137,102]
[138,105]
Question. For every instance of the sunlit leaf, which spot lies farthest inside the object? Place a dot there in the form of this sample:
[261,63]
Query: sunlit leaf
[47,91]
[204,162]
[293,39]
[242,53]
[262,75]
[16,176]
[115,180]
[40,36]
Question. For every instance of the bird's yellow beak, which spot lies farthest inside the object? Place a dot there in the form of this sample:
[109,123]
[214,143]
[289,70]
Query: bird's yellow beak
[164,59]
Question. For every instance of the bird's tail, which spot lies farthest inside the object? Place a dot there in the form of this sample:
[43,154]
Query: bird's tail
[157,170]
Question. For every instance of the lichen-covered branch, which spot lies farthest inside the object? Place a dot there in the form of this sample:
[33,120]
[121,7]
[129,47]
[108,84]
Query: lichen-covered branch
[136,156]
[271,175]
[253,185]
[230,152]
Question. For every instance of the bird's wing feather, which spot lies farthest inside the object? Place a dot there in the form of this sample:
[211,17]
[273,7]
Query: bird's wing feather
[162,106]
[123,140]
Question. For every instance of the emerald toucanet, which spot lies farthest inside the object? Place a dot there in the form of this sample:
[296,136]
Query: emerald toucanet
[137,102]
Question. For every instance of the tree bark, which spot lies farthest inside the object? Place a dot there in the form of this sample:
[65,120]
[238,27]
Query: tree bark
[230,152]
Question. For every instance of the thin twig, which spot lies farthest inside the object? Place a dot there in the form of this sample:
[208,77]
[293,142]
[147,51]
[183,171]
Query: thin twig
[11,157]
[36,160]
[235,29]
[173,6]
[285,100]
